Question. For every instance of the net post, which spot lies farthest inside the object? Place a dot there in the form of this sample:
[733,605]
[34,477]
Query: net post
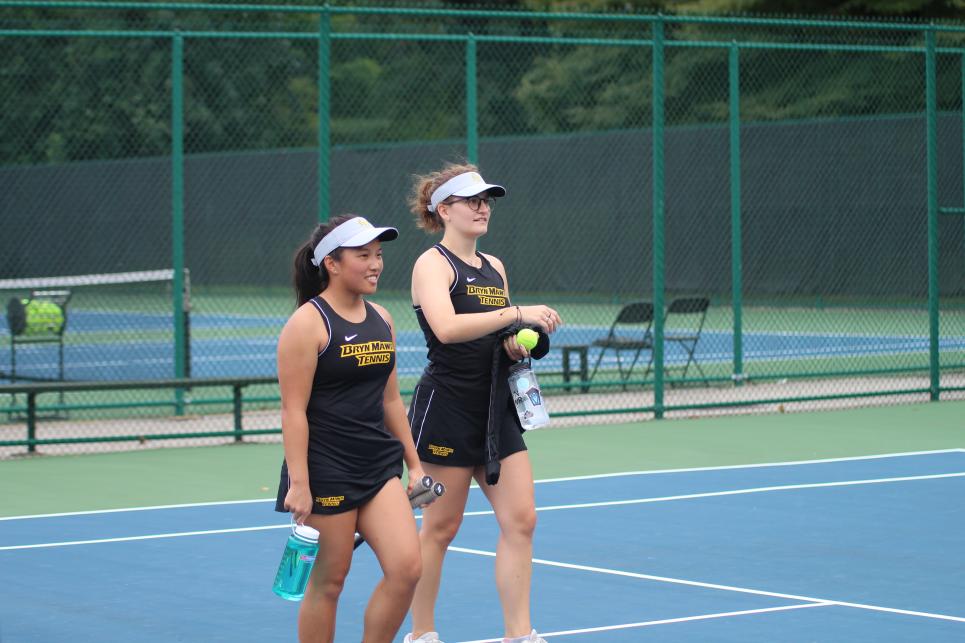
[186,321]
[13,396]
[60,365]
[236,408]
[31,421]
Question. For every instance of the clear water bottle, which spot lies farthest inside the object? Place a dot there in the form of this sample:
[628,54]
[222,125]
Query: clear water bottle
[529,402]
[296,563]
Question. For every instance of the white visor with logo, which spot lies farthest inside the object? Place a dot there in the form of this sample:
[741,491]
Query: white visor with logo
[465,184]
[354,233]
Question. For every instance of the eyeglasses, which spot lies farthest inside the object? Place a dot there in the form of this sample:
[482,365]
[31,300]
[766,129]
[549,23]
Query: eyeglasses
[475,202]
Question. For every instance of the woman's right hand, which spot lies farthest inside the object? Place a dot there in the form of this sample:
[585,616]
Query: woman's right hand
[543,316]
[298,501]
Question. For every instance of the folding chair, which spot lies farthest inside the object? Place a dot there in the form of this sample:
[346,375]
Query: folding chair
[683,323]
[637,316]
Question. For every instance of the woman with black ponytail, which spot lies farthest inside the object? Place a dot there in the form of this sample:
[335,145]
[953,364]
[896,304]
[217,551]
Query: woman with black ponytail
[345,428]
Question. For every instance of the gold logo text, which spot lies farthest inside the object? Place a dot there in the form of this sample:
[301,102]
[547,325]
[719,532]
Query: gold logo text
[488,295]
[440,451]
[369,353]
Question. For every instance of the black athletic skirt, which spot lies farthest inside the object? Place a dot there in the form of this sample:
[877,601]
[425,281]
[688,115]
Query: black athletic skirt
[453,432]
[338,497]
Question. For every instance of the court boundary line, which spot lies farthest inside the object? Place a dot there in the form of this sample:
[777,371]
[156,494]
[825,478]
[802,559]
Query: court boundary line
[757,465]
[88,512]
[666,621]
[733,492]
[124,539]
[789,463]
[717,586]
[489,512]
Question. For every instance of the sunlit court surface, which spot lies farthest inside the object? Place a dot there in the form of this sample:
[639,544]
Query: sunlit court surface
[840,549]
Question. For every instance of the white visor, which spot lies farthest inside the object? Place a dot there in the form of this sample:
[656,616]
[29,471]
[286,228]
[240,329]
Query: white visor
[354,233]
[465,184]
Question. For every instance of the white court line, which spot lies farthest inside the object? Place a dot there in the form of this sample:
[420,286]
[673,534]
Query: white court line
[585,505]
[683,619]
[727,588]
[732,492]
[122,539]
[791,463]
[152,508]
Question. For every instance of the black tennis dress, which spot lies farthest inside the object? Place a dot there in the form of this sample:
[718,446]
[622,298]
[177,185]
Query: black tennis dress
[351,453]
[450,406]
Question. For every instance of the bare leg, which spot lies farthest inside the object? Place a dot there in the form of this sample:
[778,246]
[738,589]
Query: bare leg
[440,522]
[316,617]
[512,500]
[389,527]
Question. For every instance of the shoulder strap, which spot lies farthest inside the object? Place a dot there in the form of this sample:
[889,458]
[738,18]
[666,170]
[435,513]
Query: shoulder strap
[322,307]
[452,264]
[371,310]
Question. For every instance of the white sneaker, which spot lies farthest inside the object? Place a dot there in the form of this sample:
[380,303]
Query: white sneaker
[532,638]
[428,637]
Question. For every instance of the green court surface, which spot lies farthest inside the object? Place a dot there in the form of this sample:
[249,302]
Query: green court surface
[55,484]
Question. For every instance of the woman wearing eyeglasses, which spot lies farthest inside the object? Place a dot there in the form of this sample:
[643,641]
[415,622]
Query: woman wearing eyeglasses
[461,299]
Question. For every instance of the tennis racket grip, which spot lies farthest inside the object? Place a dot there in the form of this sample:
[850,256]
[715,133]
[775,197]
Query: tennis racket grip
[427,496]
[424,493]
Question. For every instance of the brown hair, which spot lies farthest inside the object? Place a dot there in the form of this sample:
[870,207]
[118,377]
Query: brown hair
[308,279]
[422,189]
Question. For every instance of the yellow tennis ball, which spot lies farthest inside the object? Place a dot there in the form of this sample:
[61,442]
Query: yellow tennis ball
[527,337]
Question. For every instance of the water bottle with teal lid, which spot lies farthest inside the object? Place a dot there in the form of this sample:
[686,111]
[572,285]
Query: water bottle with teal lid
[296,563]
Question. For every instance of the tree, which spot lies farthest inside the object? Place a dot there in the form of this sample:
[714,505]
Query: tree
[96,98]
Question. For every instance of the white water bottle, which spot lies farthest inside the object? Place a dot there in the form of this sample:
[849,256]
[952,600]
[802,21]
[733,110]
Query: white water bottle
[527,398]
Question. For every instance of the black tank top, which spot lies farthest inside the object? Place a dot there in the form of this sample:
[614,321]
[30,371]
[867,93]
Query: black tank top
[462,371]
[346,417]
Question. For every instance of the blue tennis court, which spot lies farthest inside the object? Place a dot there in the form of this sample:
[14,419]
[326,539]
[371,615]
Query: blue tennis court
[852,549]
[255,356]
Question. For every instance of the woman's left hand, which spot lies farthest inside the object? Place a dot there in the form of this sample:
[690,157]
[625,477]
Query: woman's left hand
[513,349]
[416,474]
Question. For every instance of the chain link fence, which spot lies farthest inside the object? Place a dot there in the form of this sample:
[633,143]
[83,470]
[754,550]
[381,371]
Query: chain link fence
[775,206]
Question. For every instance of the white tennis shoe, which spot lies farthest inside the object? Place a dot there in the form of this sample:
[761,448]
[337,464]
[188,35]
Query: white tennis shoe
[428,637]
[532,638]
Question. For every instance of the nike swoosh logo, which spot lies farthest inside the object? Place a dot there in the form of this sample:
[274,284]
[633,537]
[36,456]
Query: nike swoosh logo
[349,338]
[470,279]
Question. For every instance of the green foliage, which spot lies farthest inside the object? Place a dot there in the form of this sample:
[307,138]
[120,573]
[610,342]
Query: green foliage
[81,98]
[586,88]
[102,98]
[950,9]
